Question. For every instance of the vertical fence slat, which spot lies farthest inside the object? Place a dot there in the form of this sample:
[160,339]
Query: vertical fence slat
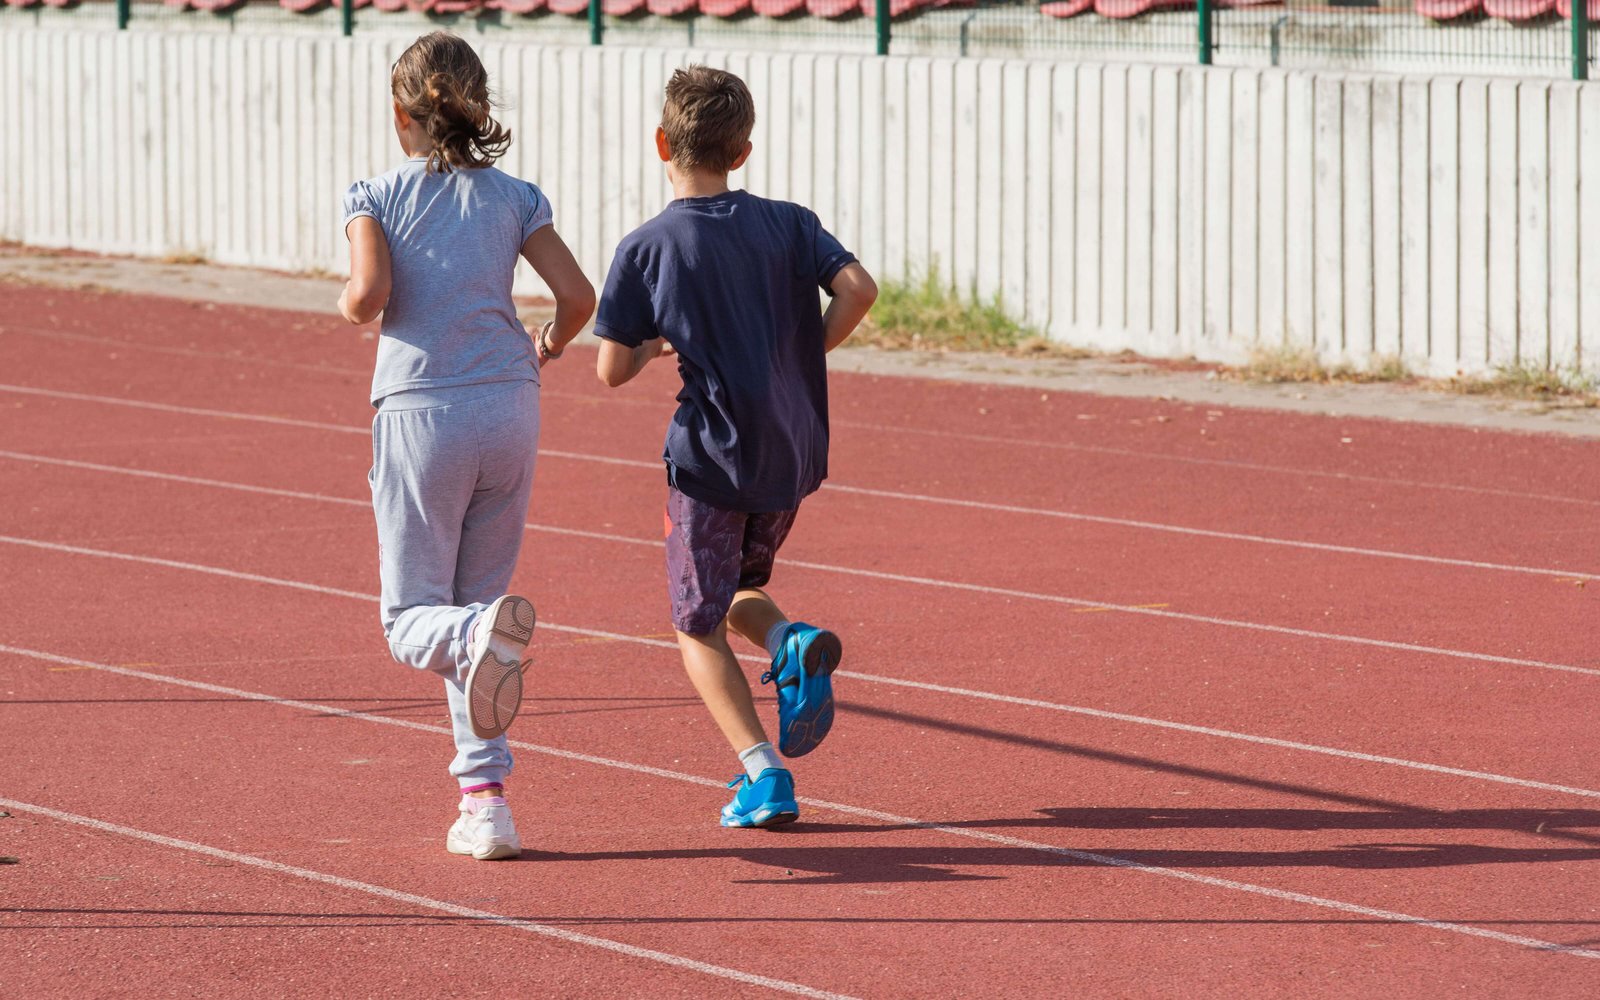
[1359,232]
[1533,224]
[1063,203]
[1444,209]
[873,137]
[1090,137]
[1589,227]
[1385,218]
[1112,247]
[898,255]
[1039,159]
[1503,230]
[990,179]
[1216,271]
[1164,129]
[1272,226]
[1327,190]
[1415,220]
[1244,203]
[963,253]
[941,165]
[1564,217]
[919,164]
[1015,192]
[1141,151]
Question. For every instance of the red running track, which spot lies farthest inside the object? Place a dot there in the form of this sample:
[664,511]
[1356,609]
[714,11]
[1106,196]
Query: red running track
[1141,699]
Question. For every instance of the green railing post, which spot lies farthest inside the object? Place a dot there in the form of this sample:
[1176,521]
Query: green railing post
[347,16]
[1204,7]
[883,27]
[124,12]
[596,28]
[1580,39]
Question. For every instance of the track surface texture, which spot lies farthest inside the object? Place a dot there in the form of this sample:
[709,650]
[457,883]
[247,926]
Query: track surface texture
[1140,699]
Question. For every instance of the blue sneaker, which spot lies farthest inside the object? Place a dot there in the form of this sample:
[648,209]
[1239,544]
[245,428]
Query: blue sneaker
[805,692]
[766,801]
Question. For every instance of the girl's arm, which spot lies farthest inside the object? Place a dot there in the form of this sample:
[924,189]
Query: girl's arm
[367,291]
[574,295]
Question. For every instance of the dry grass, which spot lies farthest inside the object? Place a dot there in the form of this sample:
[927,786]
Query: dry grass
[1300,366]
[924,314]
[1558,387]
[185,257]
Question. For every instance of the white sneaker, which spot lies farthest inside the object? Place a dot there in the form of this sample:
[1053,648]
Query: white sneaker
[484,830]
[494,680]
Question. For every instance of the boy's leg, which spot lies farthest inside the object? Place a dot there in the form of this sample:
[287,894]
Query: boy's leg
[754,615]
[704,546]
[722,685]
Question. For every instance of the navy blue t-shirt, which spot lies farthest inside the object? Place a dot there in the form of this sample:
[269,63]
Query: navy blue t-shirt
[730,281]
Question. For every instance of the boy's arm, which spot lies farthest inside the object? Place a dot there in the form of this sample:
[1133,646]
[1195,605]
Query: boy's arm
[618,363]
[574,295]
[367,291]
[854,291]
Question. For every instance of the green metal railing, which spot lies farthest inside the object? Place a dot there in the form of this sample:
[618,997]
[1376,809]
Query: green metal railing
[1380,35]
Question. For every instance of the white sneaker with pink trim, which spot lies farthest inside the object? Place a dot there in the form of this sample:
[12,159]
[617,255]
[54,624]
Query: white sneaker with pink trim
[484,830]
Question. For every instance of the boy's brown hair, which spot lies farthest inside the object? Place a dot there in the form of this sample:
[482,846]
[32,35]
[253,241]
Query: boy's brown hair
[440,82]
[708,116]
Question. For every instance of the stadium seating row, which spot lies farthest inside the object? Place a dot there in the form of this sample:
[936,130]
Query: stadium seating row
[1438,10]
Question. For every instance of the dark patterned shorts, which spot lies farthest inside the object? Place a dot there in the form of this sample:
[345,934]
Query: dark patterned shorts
[714,553]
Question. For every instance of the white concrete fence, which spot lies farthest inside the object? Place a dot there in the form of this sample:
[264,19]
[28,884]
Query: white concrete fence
[1173,211]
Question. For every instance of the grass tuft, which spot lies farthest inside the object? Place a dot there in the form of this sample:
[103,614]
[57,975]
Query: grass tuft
[1563,386]
[925,314]
[1300,365]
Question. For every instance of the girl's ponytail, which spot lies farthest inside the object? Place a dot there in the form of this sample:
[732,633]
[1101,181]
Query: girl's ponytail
[440,82]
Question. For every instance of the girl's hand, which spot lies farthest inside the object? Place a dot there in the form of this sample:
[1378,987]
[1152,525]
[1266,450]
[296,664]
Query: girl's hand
[544,345]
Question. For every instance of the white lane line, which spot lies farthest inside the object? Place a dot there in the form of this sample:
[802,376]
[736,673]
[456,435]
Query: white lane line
[884,817]
[424,902]
[903,429]
[876,574]
[873,678]
[1223,463]
[182,352]
[1232,536]
[887,494]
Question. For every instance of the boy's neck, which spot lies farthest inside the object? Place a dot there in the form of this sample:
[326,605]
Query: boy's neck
[696,183]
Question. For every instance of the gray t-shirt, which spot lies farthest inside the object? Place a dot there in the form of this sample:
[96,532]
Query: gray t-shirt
[454,240]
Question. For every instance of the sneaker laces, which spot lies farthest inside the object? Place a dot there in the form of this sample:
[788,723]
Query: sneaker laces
[738,780]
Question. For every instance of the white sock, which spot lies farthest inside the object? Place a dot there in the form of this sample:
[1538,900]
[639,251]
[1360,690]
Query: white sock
[758,758]
[775,638]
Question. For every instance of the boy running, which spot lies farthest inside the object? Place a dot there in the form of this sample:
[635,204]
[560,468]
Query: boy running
[728,282]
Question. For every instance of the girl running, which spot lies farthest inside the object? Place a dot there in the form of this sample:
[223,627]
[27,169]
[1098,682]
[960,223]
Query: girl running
[433,244]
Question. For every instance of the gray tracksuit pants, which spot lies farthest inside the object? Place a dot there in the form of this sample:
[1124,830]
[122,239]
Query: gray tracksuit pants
[452,470]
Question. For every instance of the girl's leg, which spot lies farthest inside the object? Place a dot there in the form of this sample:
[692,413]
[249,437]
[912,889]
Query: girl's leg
[425,468]
[506,425]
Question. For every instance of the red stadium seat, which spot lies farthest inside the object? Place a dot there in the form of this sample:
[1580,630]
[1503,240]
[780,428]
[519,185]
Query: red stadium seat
[620,8]
[1518,10]
[834,8]
[568,6]
[766,8]
[1133,8]
[1066,8]
[516,6]
[1564,8]
[1447,10]
[669,8]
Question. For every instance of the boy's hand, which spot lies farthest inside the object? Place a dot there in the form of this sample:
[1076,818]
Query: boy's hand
[547,350]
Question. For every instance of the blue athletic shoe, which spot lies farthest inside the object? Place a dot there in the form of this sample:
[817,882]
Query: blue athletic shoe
[805,691]
[766,801]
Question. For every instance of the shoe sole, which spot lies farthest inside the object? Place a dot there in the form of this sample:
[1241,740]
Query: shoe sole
[497,852]
[813,717]
[762,819]
[494,682]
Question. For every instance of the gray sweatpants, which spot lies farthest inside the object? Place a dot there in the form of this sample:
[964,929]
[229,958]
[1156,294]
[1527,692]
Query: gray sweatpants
[452,470]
